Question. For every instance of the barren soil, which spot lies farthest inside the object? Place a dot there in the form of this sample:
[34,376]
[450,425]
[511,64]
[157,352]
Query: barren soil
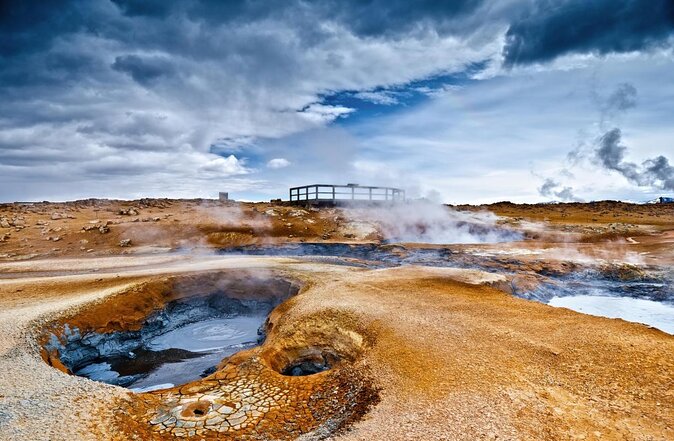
[415,352]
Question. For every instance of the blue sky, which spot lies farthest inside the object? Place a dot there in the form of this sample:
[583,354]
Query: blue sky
[464,101]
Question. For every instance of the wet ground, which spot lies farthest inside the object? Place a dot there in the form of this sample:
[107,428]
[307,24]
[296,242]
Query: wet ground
[640,293]
[189,344]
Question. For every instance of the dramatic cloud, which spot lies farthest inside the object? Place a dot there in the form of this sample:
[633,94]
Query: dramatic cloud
[656,172]
[125,97]
[143,70]
[557,27]
[107,90]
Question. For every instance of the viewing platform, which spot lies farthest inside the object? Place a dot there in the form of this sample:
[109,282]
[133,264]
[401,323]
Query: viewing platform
[340,194]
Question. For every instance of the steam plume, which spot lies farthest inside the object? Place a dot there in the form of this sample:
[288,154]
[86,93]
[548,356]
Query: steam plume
[552,188]
[425,222]
[655,172]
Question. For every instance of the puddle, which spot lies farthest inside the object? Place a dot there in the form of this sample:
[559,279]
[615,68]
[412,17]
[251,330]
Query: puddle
[655,314]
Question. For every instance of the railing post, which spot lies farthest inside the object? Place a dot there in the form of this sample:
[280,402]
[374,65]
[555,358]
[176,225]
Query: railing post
[333,194]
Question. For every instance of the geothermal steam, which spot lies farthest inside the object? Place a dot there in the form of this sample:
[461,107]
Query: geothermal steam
[425,222]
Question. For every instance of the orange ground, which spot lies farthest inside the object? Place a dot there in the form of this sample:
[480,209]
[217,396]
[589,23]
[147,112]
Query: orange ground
[423,353]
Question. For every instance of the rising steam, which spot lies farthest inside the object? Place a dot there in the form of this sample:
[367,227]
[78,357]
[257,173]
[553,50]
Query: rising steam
[425,222]
[552,188]
[607,150]
[656,172]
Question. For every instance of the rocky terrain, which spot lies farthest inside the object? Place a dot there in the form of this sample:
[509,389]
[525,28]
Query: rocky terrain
[371,341]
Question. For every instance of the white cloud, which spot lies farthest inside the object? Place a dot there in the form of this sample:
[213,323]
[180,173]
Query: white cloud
[386,98]
[324,114]
[224,167]
[277,163]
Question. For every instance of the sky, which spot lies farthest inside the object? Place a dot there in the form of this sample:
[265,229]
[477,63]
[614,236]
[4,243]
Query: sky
[462,101]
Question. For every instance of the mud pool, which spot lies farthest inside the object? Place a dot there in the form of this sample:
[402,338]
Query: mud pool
[181,342]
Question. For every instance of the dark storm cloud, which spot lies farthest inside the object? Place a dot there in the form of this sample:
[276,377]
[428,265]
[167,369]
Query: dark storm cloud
[144,70]
[553,28]
[390,17]
[364,17]
[149,8]
[656,172]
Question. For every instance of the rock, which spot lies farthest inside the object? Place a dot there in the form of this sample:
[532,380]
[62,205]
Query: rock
[298,213]
[125,243]
[103,229]
[4,237]
[56,216]
[4,223]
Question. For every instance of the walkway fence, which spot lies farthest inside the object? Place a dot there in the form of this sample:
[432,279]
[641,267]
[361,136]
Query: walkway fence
[344,193]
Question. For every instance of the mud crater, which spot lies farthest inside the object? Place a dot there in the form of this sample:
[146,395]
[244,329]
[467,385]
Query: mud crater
[178,331]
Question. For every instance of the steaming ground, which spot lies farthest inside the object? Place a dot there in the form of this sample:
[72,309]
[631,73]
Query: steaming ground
[461,358]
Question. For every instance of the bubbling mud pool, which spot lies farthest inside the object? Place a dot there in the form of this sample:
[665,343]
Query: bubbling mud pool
[189,328]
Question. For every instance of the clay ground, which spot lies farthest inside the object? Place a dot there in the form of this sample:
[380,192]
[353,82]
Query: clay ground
[427,353]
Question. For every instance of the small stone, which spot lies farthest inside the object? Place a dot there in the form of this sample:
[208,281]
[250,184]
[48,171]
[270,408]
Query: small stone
[125,243]
[103,229]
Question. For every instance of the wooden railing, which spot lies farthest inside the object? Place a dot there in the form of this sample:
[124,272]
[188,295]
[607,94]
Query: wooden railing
[350,192]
